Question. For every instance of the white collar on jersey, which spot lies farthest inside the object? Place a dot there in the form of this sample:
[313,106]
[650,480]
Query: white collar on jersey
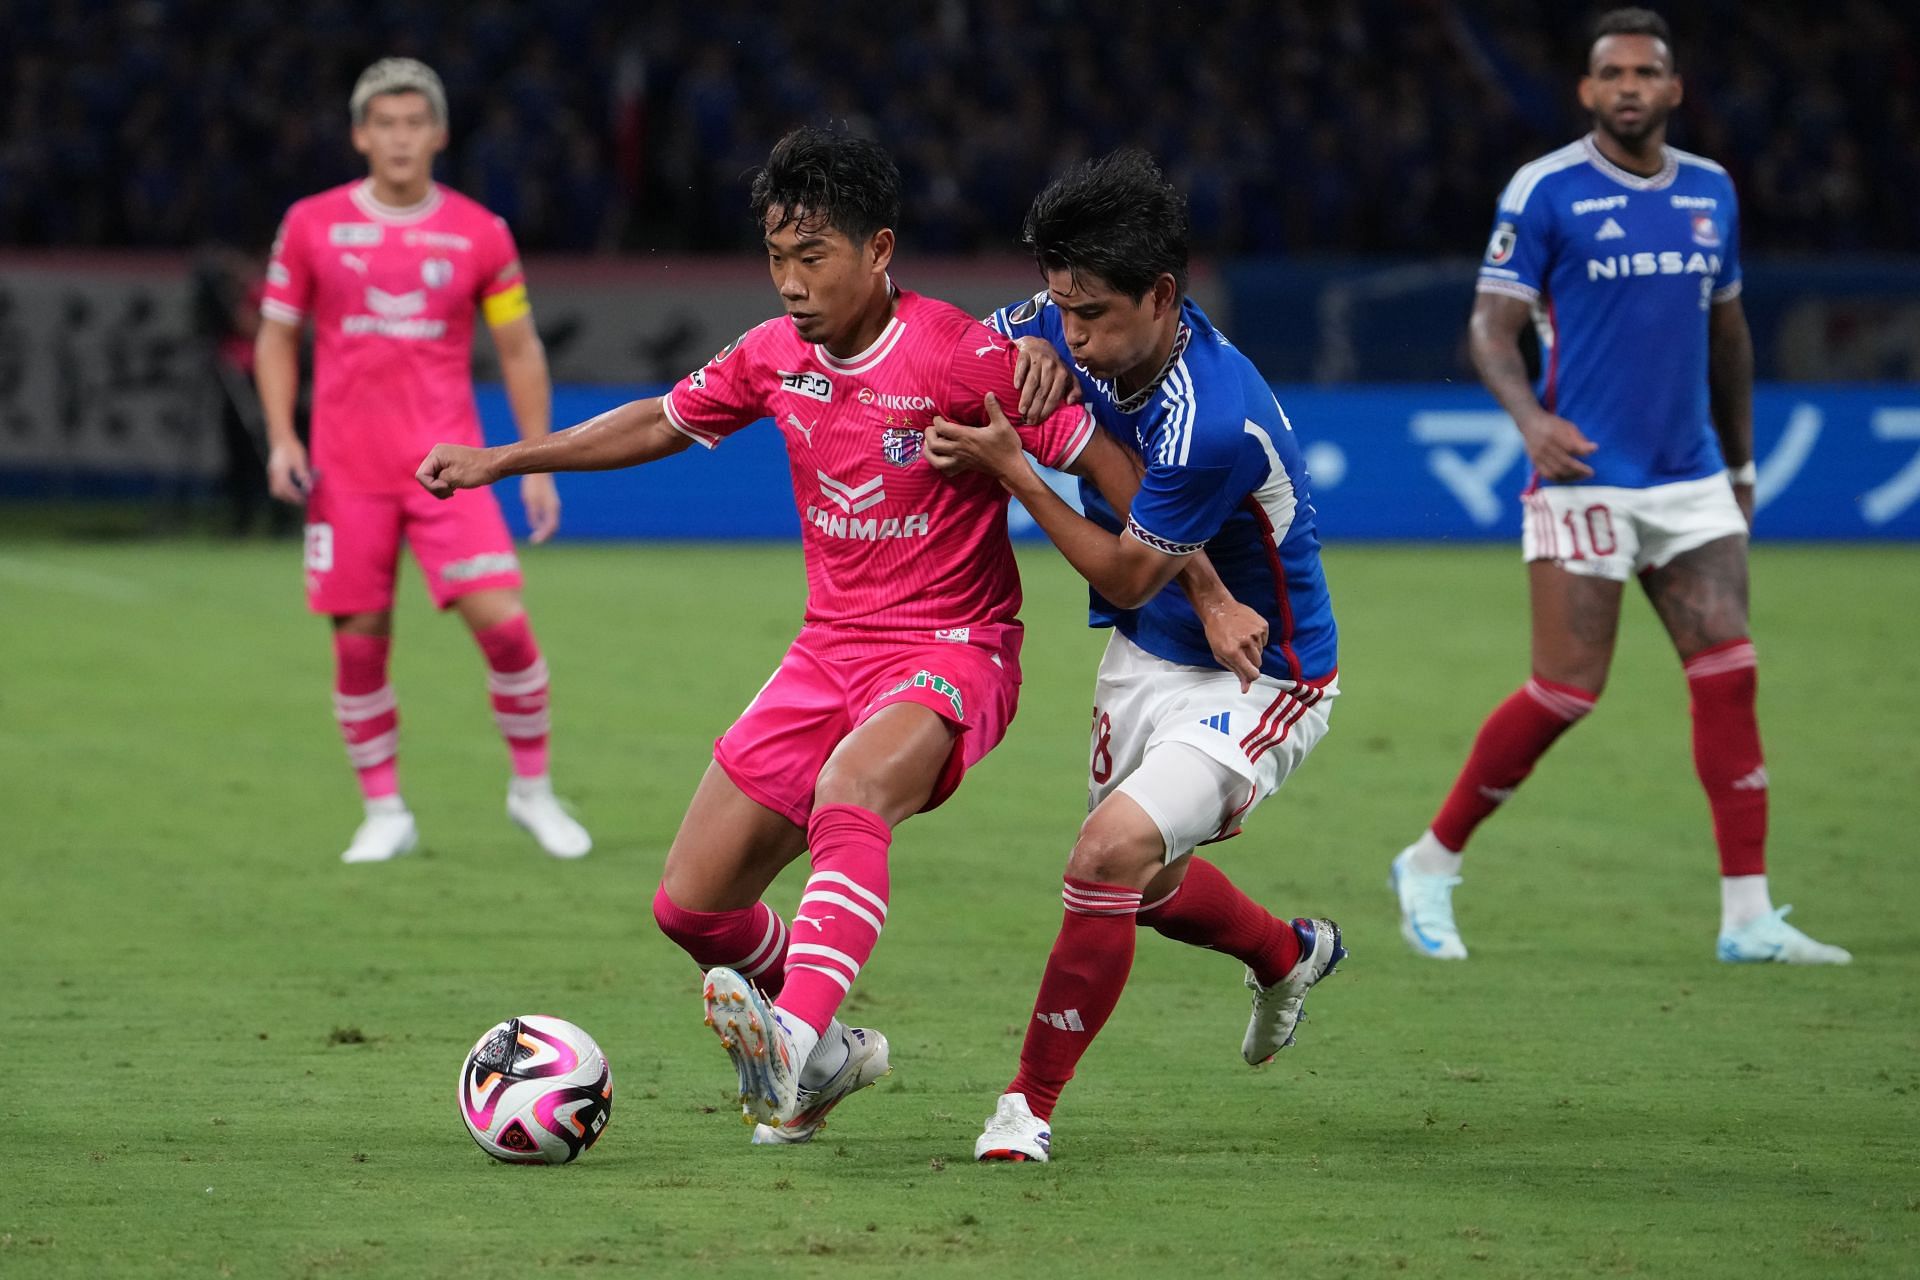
[363,199]
[1669,166]
[1133,402]
[876,351]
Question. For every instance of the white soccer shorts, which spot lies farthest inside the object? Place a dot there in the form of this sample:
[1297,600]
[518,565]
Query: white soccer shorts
[1604,532]
[1249,742]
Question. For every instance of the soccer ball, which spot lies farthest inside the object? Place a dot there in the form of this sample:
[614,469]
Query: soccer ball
[535,1090]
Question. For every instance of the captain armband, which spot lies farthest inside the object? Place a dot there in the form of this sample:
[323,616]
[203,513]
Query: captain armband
[506,306]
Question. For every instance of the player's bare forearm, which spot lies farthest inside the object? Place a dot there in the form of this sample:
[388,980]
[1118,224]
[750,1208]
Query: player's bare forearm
[1124,570]
[1493,341]
[635,433]
[1730,380]
[1554,445]
[276,376]
[523,368]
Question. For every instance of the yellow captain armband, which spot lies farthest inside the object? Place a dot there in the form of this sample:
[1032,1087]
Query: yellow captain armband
[506,306]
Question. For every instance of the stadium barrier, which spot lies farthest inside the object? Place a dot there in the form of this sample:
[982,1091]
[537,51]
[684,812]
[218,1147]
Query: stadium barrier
[1387,462]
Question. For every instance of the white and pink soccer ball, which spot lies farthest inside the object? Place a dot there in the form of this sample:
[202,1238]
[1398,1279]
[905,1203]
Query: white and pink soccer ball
[536,1090]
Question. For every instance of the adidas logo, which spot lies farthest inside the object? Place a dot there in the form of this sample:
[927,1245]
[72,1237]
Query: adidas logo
[1068,1021]
[1755,781]
[1609,230]
[1219,721]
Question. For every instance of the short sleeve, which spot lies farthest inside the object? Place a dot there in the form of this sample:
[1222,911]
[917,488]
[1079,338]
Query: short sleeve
[1519,250]
[983,362]
[1179,508]
[1193,482]
[502,285]
[725,394]
[289,290]
[1726,285]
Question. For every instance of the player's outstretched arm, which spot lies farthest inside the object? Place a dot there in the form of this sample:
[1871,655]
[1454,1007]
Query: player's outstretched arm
[1124,570]
[637,432]
[1236,634]
[1493,338]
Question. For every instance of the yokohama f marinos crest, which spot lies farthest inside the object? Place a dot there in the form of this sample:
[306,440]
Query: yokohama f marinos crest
[901,445]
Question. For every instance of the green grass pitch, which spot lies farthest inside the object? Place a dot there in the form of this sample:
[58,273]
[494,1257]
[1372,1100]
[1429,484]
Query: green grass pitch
[227,1054]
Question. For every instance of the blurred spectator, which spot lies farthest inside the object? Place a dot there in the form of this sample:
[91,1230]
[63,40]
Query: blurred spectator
[1376,125]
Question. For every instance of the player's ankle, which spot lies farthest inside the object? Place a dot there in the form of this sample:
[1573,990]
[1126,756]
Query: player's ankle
[1431,858]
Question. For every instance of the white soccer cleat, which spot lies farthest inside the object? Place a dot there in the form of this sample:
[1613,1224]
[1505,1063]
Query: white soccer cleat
[1426,910]
[532,805]
[385,834]
[1277,1010]
[762,1055]
[1014,1133]
[866,1062]
[1770,939]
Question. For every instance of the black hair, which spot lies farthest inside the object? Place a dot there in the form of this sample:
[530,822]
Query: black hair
[819,178]
[1631,22]
[1117,218]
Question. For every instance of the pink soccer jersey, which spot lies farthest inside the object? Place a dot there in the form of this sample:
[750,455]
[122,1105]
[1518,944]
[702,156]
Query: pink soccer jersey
[392,293]
[891,545]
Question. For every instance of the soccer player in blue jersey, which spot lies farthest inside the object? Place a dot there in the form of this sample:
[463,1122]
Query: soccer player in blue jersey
[1183,749]
[1623,253]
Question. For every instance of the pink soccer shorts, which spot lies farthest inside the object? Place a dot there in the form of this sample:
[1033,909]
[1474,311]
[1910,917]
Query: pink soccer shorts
[830,683]
[353,546]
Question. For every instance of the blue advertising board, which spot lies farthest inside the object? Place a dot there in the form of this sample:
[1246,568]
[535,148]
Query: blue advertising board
[1387,462]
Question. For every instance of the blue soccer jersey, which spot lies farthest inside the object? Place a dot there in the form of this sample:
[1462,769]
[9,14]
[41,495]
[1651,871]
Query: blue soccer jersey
[1621,270]
[1223,473]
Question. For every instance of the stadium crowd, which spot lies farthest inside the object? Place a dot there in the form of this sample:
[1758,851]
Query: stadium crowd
[1376,125]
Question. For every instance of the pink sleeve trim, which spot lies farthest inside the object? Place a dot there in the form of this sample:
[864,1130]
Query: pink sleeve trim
[704,438]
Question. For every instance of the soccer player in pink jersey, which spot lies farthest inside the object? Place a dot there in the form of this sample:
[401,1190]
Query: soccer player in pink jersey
[907,669]
[391,269]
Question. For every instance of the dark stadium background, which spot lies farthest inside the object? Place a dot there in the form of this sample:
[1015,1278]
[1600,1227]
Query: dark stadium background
[1341,163]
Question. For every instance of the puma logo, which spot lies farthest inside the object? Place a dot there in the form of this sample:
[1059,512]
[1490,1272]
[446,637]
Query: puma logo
[807,432]
[819,925]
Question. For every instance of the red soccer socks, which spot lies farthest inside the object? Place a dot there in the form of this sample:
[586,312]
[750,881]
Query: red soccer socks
[1511,741]
[1085,974]
[1724,684]
[1208,910]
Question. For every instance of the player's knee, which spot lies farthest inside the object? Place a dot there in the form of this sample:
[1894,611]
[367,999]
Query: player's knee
[1571,691]
[840,784]
[1110,851]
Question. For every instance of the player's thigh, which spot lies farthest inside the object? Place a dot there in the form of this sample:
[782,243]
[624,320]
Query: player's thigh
[1129,698]
[970,690]
[890,763]
[487,608]
[729,848]
[775,750]
[1694,562]
[352,548]
[1701,595]
[1178,798]
[1253,742]
[1576,618]
[462,544]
